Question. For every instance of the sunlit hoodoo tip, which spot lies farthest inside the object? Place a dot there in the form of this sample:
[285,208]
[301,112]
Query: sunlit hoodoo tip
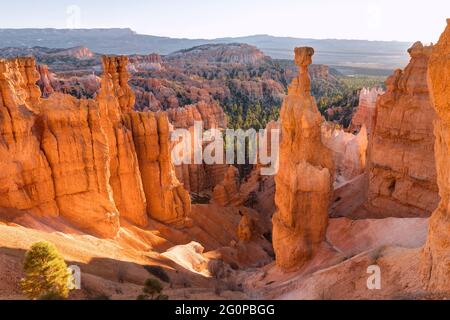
[302,84]
[303,56]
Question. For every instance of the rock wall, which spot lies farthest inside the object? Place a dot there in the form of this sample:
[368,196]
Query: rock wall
[125,179]
[227,192]
[197,178]
[365,112]
[167,200]
[26,181]
[349,151]
[88,161]
[45,81]
[436,256]
[79,86]
[305,178]
[402,166]
[210,114]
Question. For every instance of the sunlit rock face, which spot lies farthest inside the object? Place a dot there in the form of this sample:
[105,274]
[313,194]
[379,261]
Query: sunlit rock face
[305,178]
[88,161]
[349,151]
[365,112]
[401,153]
[26,181]
[197,178]
[436,256]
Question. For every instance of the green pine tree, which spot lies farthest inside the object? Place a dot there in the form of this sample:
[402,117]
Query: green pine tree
[46,273]
[152,291]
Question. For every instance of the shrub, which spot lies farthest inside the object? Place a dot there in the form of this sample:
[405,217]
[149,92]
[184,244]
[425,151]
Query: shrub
[151,288]
[46,273]
[51,296]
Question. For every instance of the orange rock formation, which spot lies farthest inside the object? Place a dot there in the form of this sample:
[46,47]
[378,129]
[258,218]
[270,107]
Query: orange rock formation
[227,192]
[402,166]
[437,250]
[365,113]
[199,177]
[88,161]
[349,151]
[304,181]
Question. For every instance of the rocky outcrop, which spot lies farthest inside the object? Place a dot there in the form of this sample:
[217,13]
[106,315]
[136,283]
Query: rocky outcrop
[402,166]
[246,228]
[144,63]
[227,193]
[365,112]
[26,181]
[199,177]
[91,162]
[46,80]
[221,53]
[117,68]
[305,178]
[436,256]
[210,115]
[80,52]
[349,151]
[85,86]
[167,200]
[125,178]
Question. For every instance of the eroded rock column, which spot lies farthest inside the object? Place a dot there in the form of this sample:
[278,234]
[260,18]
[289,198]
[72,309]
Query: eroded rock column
[436,255]
[402,165]
[305,178]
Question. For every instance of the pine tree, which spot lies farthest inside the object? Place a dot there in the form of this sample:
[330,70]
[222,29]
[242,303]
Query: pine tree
[46,273]
[151,288]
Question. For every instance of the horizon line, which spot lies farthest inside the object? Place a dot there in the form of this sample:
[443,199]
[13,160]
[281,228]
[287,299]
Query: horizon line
[202,39]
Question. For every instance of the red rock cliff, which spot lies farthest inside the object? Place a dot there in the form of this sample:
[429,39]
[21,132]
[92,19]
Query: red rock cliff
[436,255]
[88,161]
[402,165]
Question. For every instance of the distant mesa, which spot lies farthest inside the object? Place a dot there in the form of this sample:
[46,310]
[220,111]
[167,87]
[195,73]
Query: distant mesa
[79,52]
[347,54]
[226,53]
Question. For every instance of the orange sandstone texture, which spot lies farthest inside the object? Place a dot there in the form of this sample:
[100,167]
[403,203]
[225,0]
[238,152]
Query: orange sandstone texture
[365,113]
[227,192]
[125,179]
[305,178]
[26,181]
[349,151]
[436,257]
[167,200]
[199,177]
[85,160]
[402,166]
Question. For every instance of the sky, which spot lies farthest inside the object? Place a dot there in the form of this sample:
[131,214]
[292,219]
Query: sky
[404,20]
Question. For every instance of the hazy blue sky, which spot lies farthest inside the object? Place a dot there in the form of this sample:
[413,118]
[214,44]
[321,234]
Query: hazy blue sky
[407,20]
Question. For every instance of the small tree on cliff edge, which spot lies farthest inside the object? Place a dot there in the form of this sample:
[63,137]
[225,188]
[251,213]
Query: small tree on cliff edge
[46,273]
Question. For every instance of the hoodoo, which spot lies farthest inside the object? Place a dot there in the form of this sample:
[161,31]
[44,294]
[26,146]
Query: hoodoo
[305,178]
[88,161]
[401,161]
[437,250]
